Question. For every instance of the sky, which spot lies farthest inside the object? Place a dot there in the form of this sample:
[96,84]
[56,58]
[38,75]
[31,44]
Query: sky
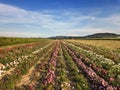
[46,18]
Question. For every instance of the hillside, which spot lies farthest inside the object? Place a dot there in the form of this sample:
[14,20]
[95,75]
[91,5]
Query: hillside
[97,35]
[103,35]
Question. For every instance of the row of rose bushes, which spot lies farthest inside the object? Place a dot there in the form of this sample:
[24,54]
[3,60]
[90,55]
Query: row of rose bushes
[15,58]
[13,53]
[108,53]
[44,73]
[57,71]
[78,81]
[62,81]
[49,79]
[102,66]
[8,82]
[97,83]
[36,78]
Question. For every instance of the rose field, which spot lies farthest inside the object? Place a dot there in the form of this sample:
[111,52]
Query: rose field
[46,64]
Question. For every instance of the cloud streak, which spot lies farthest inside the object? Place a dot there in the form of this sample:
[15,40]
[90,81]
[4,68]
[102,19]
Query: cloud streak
[14,20]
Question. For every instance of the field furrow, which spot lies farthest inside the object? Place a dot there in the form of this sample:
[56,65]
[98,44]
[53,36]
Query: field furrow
[57,65]
[97,82]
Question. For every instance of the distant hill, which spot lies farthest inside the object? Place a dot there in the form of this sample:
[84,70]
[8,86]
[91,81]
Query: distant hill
[103,35]
[97,35]
[65,37]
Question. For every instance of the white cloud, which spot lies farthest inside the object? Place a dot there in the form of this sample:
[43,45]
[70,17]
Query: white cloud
[62,23]
[20,34]
[87,31]
[10,9]
[10,14]
[113,19]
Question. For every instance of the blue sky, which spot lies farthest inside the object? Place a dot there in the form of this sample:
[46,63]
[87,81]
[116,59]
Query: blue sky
[45,18]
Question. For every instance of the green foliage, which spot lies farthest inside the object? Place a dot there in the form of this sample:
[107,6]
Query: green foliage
[4,41]
[108,53]
[80,82]
[8,82]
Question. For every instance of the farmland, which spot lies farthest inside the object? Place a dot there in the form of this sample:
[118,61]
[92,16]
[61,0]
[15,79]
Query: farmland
[45,64]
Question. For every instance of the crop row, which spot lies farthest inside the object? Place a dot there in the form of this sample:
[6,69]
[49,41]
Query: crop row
[12,57]
[8,80]
[58,66]
[35,78]
[61,82]
[97,81]
[78,81]
[50,76]
[56,71]
[108,53]
[109,67]
[13,53]
[42,77]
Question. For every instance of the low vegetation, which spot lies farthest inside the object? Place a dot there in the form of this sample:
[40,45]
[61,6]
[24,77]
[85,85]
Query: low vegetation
[44,64]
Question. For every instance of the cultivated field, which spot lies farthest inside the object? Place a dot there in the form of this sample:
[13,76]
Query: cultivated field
[60,65]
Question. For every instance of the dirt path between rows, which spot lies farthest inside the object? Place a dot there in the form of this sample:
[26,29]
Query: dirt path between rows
[25,79]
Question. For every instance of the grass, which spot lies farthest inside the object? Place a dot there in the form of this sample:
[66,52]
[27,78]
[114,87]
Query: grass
[109,44]
[6,41]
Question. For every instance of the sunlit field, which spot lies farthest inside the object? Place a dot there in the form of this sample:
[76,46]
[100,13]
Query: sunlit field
[60,65]
[109,44]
